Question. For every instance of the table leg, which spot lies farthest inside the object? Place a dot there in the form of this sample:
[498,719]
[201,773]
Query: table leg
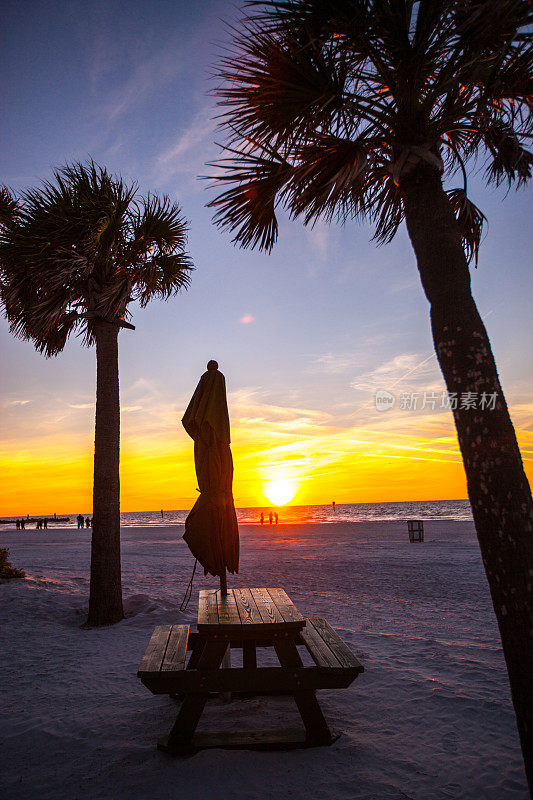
[196,654]
[226,664]
[179,740]
[249,655]
[315,724]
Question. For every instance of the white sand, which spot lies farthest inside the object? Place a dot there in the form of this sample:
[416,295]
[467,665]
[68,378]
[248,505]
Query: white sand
[430,718]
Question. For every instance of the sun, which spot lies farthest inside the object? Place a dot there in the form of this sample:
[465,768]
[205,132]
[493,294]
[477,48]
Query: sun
[280,491]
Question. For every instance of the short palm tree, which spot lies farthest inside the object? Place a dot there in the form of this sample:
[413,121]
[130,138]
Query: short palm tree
[74,253]
[345,109]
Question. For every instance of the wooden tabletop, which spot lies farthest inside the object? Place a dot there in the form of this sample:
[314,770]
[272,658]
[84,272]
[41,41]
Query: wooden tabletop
[248,611]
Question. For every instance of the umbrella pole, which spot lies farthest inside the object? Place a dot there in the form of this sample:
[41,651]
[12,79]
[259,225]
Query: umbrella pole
[223,584]
[226,661]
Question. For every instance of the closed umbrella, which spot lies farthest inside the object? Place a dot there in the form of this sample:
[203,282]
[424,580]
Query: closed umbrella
[211,529]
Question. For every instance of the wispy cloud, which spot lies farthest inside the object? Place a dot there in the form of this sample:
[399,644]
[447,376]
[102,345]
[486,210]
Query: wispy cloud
[335,363]
[247,319]
[397,369]
[322,239]
[148,77]
[183,155]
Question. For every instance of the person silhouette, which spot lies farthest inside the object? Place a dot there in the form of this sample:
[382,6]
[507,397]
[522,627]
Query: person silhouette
[270,518]
[87,522]
[17,523]
[45,523]
[262,518]
[276,517]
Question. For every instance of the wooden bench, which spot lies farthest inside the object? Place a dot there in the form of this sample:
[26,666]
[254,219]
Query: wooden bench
[162,668]
[165,669]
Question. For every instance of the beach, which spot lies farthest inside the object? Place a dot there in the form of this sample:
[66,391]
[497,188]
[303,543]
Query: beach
[430,718]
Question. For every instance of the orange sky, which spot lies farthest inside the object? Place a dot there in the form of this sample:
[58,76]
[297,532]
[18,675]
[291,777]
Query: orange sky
[383,457]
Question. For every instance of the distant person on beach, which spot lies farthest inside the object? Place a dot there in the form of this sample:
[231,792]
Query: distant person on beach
[276,517]
[262,518]
[161,513]
[17,523]
[333,504]
[23,524]
[45,524]
[80,521]
[87,523]
[270,518]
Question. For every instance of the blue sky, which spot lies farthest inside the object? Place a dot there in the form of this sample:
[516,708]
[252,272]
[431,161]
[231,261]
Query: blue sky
[333,317]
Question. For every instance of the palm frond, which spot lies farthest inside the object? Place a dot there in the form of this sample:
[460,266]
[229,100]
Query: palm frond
[330,178]
[470,221]
[273,87]
[83,246]
[248,207]
[510,161]
[8,206]
[307,82]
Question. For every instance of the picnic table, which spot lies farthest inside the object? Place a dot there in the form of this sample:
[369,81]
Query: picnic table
[195,664]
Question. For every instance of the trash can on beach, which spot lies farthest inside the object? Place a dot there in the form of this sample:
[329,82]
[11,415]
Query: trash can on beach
[416,530]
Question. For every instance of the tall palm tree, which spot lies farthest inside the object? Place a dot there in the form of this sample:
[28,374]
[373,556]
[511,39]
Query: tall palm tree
[347,109]
[74,253]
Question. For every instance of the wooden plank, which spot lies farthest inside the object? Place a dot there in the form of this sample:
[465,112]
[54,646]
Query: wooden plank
[308,706]
[318,649]
[262,680]
[285,605]
[228,613]
[281,739]
[267,608]
[339,648]
[294,737]
[193,704]
[155,652]
[207,607]
[315,723]
[174,659]
[247,608]
[287,653]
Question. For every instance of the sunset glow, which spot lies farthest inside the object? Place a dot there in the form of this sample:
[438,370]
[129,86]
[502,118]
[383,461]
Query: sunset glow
[305,335]
[280,491]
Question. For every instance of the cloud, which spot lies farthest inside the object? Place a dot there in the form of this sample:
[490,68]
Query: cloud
[18,402]
[151,75]
[183,155]
[392,372]
[335,363]
[320,238]
[247,319]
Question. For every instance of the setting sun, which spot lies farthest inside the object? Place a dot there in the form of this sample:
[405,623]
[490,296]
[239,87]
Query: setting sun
[280,491]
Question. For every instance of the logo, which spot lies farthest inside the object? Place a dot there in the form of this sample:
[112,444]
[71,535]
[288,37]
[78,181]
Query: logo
[384,400]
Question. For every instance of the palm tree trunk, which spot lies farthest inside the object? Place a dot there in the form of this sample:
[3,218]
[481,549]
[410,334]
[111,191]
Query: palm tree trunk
[105,598]
[497,485]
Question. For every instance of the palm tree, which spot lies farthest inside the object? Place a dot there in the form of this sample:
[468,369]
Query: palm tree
[345,109]
[74,253]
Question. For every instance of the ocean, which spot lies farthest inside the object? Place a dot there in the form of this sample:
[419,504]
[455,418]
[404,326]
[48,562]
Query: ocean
[457,510]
